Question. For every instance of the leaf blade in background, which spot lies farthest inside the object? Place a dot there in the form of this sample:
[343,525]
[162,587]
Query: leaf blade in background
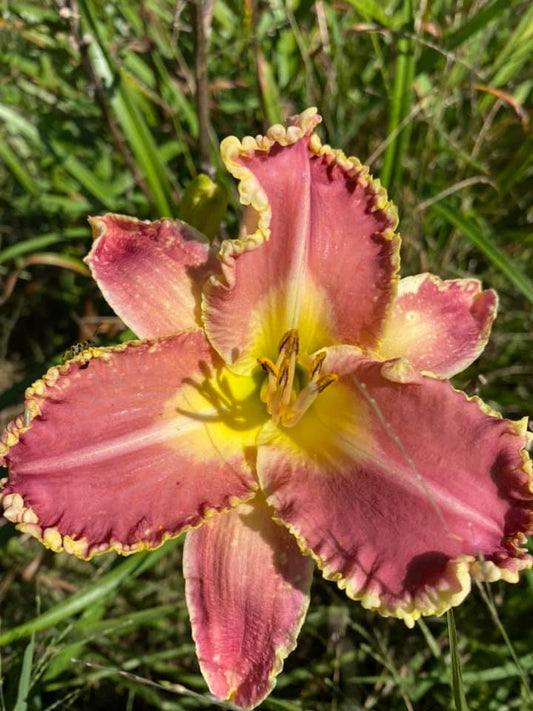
[17,168]
[127,569]
[458,692]
[487,246]
[398,126]
[452,145]
[130,118]
[25,677]
[36,243]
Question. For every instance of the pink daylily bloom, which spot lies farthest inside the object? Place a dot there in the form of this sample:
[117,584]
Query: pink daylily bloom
[292,397]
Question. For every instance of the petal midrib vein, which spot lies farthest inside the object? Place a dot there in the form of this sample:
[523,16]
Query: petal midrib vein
[298,266]
[113,447]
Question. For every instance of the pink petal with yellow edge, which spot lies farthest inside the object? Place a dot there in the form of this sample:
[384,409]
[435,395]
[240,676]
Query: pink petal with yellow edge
[247,588]
[319,255]
[152,273]
[129,446]
[440,326]
[400,487]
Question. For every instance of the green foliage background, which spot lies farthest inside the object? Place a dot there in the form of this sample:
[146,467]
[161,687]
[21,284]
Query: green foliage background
[98,113]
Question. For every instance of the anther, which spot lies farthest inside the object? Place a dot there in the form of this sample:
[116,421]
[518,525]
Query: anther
[292,336]
[296,344]
[268,366]
[326,381]
[283,376]
[317,365]
[268,392]
[285,405]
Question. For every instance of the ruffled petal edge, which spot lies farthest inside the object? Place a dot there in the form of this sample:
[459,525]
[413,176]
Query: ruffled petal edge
[256,227]
[25,518]
[456,582]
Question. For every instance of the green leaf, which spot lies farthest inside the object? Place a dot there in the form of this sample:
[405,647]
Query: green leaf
[458,692]
[268,89]
[124,105]
[399,125]
[372,10]
[25,677]
[35,243]
[487,245]
[130,568]
[91,627]
[477,22]
[84,176]
[512,58]
[16,166]
[17,124]
[54,259]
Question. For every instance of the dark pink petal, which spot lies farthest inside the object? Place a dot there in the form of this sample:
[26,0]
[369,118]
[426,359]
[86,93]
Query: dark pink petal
[247,590]
[129,446]
[401,487]
[151,273]
[440,326]
[328,266]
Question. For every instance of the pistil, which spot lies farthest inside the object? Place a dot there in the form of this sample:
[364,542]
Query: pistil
[286,406]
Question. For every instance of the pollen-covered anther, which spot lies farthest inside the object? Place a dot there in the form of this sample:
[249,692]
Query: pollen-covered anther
[324,382]
[269,386]
[306,398]
[316,366]
[284,404]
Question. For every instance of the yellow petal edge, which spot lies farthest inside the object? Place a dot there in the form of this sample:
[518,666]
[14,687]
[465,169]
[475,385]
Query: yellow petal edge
[25,518]
[455,584]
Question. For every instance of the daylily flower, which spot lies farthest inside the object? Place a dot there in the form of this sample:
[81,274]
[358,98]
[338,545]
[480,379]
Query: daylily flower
[299,410]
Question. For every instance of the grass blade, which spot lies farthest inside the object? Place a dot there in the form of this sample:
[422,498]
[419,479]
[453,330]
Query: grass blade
[12,161]
[372,10]
[458,692]
[477,22]
[25,677]
[519,666]
[83,176]
[127,569]
[514,55]
[17,124]
[53,259]
[400,107]
[135,129]
[486,245]
[36,243]
[268,89]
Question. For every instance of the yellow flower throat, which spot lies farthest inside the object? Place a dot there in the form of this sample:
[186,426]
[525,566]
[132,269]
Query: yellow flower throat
[284,404]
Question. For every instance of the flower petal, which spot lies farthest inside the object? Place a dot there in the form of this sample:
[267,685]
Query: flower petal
[440,326]
[401,487]
[318,252]
[247,588]
[126,447]
[151,273]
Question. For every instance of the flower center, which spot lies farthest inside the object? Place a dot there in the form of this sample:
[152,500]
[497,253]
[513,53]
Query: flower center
[284,403]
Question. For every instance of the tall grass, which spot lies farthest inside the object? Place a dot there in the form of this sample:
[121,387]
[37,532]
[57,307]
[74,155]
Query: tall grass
[99,111]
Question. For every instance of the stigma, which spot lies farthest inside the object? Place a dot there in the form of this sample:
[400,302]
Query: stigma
[284,403]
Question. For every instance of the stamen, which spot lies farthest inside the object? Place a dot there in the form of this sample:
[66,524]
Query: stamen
[291,335]
[283,375]
[296,344]
[317,365]
[268,366]
[283,404]
[326,381]
[285,400]
[283,386]
[306,398]
[268,393]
